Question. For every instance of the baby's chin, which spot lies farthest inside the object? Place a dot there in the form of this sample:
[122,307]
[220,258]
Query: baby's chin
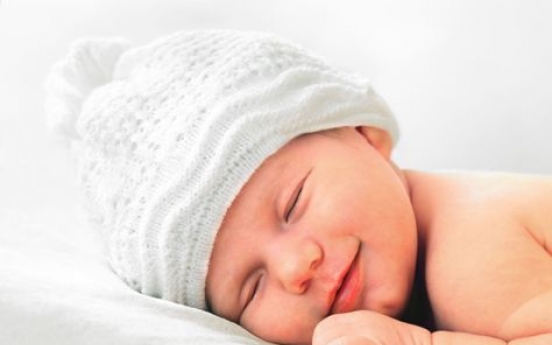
[387,303]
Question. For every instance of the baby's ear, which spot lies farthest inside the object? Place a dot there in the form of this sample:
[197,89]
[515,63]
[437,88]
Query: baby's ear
[378,138]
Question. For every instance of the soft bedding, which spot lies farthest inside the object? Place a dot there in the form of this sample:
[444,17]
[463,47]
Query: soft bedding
[57,289]
[468,81]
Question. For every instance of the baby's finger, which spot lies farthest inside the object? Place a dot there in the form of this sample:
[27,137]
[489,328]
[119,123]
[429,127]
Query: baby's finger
[334,327]
[352,340]
[326,331]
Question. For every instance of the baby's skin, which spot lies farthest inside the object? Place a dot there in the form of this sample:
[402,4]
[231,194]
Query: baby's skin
[321,246]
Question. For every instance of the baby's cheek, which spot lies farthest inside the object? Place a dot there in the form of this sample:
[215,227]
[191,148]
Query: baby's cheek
[281,325]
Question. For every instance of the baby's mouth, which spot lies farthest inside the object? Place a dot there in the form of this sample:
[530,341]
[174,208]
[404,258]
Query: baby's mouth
[348,289]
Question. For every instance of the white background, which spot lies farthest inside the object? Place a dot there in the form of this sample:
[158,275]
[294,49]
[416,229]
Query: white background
[470,81]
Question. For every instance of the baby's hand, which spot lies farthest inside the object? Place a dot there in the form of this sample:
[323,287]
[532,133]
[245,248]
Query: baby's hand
[368,328]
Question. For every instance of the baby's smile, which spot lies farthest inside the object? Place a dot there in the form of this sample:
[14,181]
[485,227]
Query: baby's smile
[347,292]
[291,269]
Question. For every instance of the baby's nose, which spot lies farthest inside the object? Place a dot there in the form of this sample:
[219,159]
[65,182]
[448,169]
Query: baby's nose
[296,263]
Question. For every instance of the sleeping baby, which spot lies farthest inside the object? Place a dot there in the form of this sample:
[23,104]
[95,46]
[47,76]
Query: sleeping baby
[236,173]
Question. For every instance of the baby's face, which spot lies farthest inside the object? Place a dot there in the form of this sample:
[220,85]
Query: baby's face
[324,226]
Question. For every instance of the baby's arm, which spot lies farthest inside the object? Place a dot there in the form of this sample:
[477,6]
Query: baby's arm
[369,328]
[454,338]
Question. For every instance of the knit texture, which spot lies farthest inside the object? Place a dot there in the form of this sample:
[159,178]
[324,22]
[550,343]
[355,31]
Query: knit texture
[167,134]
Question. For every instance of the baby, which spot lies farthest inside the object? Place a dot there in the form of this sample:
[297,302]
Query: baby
[236,173]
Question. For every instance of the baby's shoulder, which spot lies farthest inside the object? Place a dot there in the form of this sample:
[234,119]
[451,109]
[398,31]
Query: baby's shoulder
[484,214]
[498,204]
[489,232]
[451,199]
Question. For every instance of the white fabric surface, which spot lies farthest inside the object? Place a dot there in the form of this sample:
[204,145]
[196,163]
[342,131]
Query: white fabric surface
[56,288]
[469,81]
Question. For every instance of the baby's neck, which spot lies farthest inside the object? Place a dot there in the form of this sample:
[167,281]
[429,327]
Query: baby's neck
[425,196]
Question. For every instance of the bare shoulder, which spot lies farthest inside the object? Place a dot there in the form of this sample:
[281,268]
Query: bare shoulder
[486,184]
[531,199]
[455,198]
[523,200]
[488,254]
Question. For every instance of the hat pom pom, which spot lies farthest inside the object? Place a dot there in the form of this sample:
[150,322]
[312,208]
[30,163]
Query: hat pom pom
[89,64]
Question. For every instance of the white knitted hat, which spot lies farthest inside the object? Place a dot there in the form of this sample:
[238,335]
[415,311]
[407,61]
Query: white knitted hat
[169,132]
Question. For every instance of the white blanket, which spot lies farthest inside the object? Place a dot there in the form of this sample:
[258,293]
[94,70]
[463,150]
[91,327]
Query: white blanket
[469,82]
[57,289]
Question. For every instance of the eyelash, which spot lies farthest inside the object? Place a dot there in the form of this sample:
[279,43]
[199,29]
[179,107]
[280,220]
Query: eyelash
[254,291]
[287,215]
[293,204]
